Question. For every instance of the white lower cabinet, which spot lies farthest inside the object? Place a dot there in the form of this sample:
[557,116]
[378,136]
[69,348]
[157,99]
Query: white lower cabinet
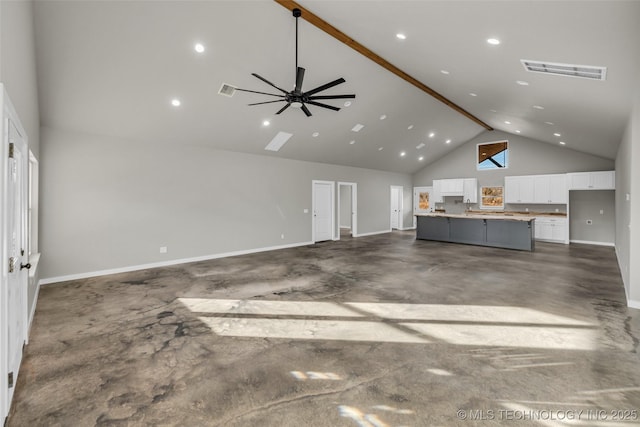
[552,229]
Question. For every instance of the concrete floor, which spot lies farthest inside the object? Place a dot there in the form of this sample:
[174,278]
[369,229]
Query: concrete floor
[375,331]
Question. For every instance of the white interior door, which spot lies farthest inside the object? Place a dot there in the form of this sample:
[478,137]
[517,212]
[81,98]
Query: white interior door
[323,211]
[17,253]
[396,207]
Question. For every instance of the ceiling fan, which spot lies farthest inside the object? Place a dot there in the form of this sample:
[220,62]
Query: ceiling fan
[297,97]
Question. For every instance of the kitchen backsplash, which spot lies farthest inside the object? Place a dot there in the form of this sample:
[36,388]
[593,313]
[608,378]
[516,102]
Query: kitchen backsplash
[455,205]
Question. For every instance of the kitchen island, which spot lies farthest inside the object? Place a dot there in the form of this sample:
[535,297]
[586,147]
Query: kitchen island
[495,230]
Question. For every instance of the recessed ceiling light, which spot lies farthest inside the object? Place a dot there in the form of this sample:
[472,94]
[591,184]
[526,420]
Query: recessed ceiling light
[494,111]
[507,122]
[199,47]
[403,153]
[473,94]
[448,141]
[562,143]
[353,141]
[522,83]
[347,103]
[493,41]
[175,102]
[410,127]
[538,107]
[549,123]
[421,158]
[556,134]
[382,117]
[357,127]
[266,123]
[517,131]
[444,71]
[432,134]
[380,149]
[401,36]
[419,146]
[315,134]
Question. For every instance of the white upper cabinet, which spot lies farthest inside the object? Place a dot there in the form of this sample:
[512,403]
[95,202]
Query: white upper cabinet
[470,190]
[465,187]
[519,189]
[437,191]
[536,189]
[452,187]
[550,189]
[602,180]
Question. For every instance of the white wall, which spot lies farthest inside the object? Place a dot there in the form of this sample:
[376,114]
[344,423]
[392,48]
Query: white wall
[588,205]
[110,204]
[18,64]
[628,206]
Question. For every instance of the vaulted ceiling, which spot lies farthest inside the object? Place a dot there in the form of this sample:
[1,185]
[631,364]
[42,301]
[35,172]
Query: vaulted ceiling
[113,68]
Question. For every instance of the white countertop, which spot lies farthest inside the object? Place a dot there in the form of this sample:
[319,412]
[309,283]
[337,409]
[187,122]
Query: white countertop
[506,217]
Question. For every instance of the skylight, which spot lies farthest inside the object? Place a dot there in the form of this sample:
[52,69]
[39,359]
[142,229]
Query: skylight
[278,141]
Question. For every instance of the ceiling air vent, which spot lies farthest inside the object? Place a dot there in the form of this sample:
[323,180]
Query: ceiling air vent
[227,90]
[584,71]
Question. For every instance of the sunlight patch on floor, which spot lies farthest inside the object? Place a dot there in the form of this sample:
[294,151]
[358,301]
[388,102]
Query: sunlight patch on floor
[465,313]
[309,329]
[285,308]
[512,336]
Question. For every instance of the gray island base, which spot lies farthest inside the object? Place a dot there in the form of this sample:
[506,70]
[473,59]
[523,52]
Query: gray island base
[484,230]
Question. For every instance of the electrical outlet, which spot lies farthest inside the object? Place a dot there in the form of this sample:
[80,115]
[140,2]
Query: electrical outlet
[526,209]
[163,249]
[601,211]
[282,236]
[557,210]
[306,211]
[589,222]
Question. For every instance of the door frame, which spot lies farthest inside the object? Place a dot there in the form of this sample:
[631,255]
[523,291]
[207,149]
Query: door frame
[400,189]
[332,208]
[354,207]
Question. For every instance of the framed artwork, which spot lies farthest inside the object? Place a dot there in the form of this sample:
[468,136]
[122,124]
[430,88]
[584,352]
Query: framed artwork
[491,197]
[492,155]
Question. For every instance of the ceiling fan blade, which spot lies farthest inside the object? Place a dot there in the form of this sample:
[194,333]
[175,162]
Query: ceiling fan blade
[268,82]
[306,110]
[332,96]
[261,93]
[325,86]
[330,107]
[266,102]
[299,78]
[284,108]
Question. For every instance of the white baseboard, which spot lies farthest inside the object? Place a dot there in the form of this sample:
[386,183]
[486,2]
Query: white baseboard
[589,242]
[633,304]
[372,233]
[406,228]
[128,269]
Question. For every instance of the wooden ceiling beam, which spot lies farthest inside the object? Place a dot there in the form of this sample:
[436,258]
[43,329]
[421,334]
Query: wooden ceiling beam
[336,33]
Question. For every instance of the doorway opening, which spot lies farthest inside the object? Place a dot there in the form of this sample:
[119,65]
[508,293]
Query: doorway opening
[347,210]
